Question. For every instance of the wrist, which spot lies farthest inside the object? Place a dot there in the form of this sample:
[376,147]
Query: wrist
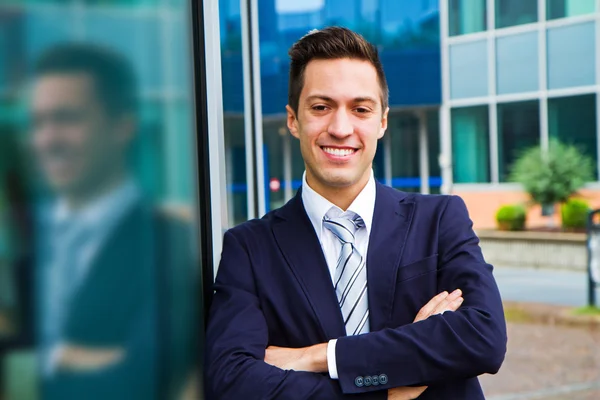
[317,358]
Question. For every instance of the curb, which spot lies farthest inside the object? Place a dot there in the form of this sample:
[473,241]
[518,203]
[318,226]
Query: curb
[547,314]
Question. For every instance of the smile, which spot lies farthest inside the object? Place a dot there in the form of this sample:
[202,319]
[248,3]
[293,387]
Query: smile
[337,152]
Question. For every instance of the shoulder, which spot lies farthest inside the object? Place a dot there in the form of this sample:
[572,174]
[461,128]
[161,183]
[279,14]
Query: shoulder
[425,203]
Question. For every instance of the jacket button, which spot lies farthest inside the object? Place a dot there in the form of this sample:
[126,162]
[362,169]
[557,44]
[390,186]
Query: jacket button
[359,381]
[383,379]
[375,380]
[368,381]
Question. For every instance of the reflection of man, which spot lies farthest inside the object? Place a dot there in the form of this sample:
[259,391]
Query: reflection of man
[110,277]
[337,294]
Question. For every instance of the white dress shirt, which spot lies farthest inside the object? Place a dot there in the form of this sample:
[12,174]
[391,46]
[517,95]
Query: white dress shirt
[317,207]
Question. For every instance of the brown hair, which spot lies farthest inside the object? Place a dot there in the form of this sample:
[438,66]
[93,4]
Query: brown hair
[327,44]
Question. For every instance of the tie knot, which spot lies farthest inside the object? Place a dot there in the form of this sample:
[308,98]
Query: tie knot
[344,227]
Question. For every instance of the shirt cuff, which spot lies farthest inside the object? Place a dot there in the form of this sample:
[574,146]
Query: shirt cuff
[331,362]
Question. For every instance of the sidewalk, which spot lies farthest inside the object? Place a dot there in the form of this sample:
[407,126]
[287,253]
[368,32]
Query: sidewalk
[551,355]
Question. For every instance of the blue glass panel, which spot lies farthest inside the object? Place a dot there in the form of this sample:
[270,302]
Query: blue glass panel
[572,56]
[468,70]
[517,63]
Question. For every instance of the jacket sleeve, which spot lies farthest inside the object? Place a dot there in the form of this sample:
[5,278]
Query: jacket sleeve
[455,345]
[237,337]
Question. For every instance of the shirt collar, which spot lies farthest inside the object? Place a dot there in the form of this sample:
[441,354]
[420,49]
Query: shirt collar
[317,206]
[102,210]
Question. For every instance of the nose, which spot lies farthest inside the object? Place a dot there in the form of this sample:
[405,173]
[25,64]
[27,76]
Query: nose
[340,125]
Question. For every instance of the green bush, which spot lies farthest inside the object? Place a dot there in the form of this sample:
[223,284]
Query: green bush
[575,213]
[552,177]
[511,218]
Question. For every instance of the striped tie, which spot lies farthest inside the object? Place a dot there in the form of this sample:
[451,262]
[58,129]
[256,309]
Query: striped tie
[350,275]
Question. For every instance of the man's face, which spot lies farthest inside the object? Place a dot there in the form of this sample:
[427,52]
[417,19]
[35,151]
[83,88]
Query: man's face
[77,144]
[339,120]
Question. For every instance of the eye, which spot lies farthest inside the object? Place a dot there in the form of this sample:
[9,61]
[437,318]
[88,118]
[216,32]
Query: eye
[362,110]
[319,107]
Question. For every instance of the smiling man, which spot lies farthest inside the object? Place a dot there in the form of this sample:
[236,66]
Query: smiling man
[352,289]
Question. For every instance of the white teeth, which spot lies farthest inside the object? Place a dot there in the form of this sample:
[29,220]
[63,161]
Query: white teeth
[338,152]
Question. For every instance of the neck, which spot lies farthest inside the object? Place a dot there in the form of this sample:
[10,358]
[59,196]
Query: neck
[79,199]
[339,196]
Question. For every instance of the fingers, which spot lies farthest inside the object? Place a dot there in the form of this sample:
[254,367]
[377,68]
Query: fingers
[441,303]
[450,303]
[405,393]
[428,308]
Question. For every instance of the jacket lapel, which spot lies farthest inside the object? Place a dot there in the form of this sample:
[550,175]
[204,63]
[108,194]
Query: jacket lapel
[391,222]
[300,246]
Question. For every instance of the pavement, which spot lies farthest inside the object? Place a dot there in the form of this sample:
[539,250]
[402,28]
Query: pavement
[565,288]
[551,355]
[550,362]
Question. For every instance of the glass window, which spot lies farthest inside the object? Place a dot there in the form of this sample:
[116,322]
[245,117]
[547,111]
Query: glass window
[573,120]
[518,129]
[470,144]
[433,140]
[469,70]
[467,16]
[569,8]
[515,12]
[99,266]
[403,129]
[517,63]
[233,110]
[572,56]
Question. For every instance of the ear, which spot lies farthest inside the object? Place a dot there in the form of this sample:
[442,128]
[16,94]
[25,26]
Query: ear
[292,121]
[384,123]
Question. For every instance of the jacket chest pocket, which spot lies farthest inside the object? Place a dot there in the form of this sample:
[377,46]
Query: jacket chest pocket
[416,285]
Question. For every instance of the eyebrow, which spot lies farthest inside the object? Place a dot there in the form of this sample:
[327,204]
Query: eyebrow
[364,99]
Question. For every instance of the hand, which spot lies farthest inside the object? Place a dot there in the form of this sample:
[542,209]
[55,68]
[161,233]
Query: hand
[80,358]
[309,359]
[405,393]
[439,304]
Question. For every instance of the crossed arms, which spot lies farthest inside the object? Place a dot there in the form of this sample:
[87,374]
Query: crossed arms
[436,348]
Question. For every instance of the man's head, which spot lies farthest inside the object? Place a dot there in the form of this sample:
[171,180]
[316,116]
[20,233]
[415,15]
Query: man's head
[338,105]
[83,107]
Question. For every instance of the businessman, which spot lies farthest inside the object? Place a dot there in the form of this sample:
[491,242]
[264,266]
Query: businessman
[352,289]
[115,279]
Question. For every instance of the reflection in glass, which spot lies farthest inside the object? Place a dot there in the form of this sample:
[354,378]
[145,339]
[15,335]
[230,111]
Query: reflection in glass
[571,55]
[469,69]
[517,68]
[99,253]
[404,131]
[573,120]
[233,108]
[515,12]
[470,144]
[518,130]
[467,16]
[569,8]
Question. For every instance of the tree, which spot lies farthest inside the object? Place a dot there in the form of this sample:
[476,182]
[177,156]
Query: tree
[552,177]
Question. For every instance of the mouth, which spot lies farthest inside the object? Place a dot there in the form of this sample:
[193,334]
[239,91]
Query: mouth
[339,152]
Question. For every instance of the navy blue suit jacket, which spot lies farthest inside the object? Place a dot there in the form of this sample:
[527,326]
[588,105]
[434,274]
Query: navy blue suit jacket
[273,287]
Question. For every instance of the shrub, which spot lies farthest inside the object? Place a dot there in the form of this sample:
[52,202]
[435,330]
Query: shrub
[574,214]
[552,177]
[511,218]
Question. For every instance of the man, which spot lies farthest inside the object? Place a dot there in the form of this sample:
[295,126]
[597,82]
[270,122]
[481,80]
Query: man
[115,281]
[352,289]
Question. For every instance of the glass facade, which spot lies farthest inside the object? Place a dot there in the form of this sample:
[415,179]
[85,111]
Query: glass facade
[469,70]
[518,130]
[572,56]
[99,253]
[466,16]
[517,66]
[569,8]
[515,12]
[573,120]
[470,144]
